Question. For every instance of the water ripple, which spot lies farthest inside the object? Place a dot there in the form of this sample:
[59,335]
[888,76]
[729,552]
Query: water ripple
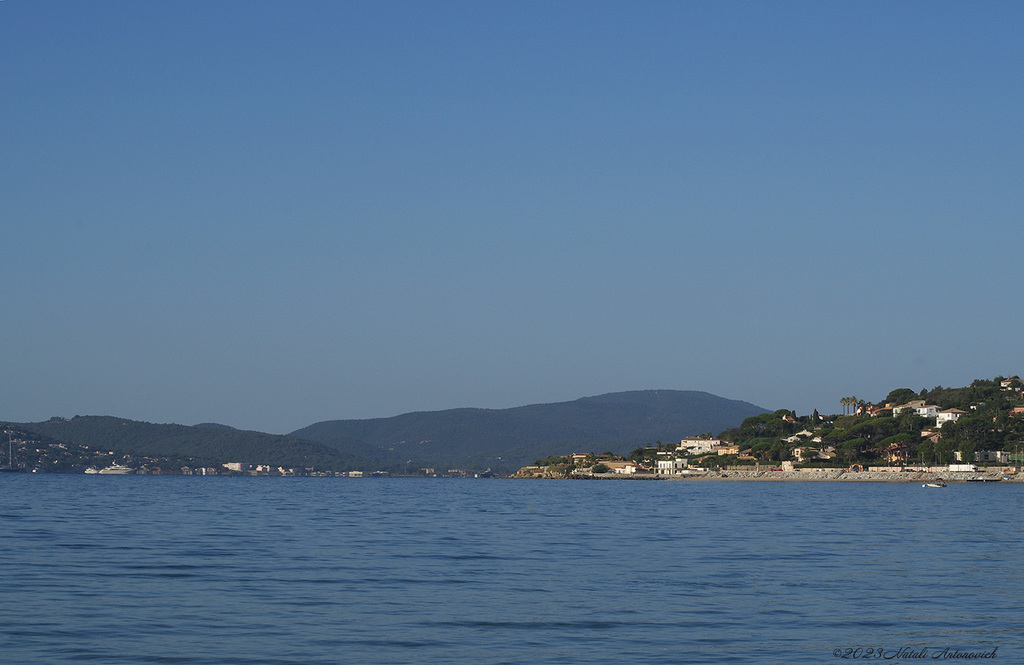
[310,571]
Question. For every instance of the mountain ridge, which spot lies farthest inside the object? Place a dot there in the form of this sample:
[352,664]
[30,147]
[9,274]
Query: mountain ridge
[463,437]
[505,437]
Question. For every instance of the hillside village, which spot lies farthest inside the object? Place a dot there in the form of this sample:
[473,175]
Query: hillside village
[978,428]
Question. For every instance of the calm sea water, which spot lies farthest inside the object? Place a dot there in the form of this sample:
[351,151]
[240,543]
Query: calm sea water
[301,571]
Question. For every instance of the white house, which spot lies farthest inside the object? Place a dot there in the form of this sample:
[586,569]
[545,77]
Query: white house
[909,405]
[668,467]
[698,446]
[803,434]
[948,416]
[919,407]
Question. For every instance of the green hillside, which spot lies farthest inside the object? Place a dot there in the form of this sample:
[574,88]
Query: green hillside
[985,416]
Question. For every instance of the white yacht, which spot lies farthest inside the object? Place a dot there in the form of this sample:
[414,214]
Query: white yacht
[117,469]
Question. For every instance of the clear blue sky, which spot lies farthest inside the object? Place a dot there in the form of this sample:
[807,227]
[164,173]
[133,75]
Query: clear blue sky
[268,214]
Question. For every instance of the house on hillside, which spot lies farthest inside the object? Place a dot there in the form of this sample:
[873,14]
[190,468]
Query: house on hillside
[875,410]
[896,452]
[801,435]
[897,410]
[802,455]
[919,407]
[948,416]
[698,446]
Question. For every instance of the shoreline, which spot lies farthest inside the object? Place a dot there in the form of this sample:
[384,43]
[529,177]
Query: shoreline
[838,475]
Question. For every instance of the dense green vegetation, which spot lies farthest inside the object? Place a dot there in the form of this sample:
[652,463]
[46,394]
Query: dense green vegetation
[867,435]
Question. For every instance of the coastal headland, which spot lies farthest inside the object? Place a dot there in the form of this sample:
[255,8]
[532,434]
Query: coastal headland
[838,475]
[969,434]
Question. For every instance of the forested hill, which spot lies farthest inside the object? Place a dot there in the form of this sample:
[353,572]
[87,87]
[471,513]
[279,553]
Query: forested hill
[509,438]
[502,439]
[207,443]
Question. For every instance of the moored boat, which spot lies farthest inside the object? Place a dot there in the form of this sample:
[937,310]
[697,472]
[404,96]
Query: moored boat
[117,470]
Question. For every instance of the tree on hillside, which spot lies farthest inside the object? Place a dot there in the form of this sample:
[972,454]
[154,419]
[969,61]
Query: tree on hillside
[944,452]
[925,452]
[967,450]
[764,425]
[908,421]
[900,396]
[977,431]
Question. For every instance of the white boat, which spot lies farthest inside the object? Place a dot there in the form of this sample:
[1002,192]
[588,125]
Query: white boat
[117,470]
[938,484]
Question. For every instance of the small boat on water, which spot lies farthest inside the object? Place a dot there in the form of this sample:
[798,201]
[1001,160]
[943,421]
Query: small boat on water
[937,484]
